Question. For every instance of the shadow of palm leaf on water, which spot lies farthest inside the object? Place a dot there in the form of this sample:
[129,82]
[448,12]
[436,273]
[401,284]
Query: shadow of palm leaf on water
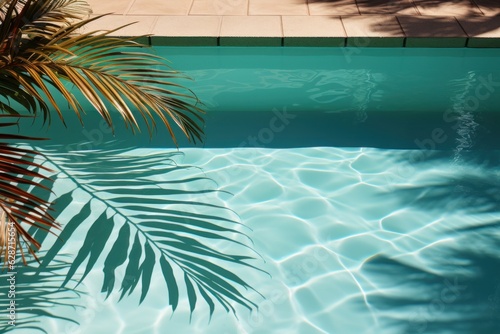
[462,297]
[471,184]
[452,283]
[36,294]
[141,212]
[474,193]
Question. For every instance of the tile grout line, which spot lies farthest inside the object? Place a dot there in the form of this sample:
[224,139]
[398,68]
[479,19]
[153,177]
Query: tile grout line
[467,39]
[151,29]
[405,39]
[475,3]
[153,25]
[282,31]
[461,27]
[345,30]
[190,8]
[359,13]
[416,8]
[220,29]
[125,13]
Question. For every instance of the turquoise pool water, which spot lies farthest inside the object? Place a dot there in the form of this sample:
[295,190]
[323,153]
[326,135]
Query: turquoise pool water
[369,179]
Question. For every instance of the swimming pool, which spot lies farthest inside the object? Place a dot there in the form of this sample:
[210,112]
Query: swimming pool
[368,178]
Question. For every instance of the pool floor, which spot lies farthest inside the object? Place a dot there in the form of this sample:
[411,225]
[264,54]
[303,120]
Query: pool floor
[356,240]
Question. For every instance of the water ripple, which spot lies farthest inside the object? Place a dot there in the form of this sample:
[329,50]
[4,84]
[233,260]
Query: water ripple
[345,236]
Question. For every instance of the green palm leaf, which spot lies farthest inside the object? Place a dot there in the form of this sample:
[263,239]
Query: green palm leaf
[146,216]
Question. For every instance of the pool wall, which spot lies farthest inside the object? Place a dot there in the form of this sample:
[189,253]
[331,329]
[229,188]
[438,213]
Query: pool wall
[331,96]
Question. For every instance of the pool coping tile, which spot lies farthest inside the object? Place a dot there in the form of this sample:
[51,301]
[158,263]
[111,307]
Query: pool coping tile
[341,7]
[137,25]
[483,42]
[483,31]
[486,7]
[420,31]
[160,7]
[187,26]
[372,26]
[313,31]
[203,7]
[250,41]
[184,41]
[277,7]
[315,41]
[251,26]
[313,26]
[114,7]
[482,26]
[384,7]
[435,42]
[375,42]
[457,8]
[353,23]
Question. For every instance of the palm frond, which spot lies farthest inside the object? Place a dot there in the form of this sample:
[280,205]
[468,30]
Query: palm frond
[42,49]
[147,214]
[19,170]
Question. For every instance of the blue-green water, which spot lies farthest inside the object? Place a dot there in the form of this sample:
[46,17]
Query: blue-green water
[369,179]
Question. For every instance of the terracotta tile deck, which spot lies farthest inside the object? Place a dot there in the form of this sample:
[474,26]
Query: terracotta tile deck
[396,23]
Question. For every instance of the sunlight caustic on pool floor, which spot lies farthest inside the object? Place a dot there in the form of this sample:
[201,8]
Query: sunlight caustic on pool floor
[353,243]
[324,218]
